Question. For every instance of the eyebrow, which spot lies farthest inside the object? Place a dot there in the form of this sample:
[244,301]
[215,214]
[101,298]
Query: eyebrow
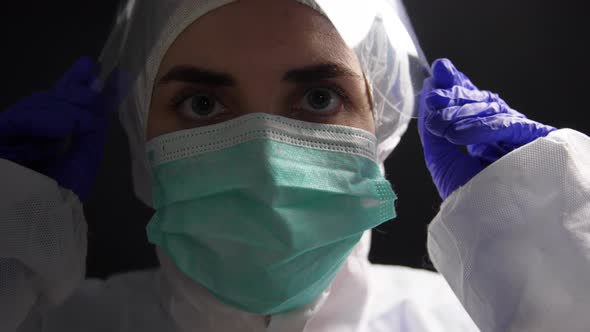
[191,74]
[319,72]
[307,74]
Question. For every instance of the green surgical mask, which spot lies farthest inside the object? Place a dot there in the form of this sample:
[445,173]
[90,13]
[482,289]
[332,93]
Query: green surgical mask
[263,210]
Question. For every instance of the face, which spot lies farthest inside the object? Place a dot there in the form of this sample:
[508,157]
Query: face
[259,56]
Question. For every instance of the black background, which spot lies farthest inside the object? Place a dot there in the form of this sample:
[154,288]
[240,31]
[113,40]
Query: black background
[530,52]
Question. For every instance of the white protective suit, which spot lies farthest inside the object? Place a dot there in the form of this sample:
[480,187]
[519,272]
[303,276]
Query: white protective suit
[512,243]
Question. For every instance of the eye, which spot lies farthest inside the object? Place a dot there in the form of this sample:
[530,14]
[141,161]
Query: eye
[200,106]
[321,101]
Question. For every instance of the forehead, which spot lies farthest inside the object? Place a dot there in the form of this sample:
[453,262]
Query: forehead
[275,33]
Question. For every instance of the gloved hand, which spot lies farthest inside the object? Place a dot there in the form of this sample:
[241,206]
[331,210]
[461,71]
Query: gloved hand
[62,132]
[454,113]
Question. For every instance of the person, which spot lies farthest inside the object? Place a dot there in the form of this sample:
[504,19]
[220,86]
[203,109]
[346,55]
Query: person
[258,131]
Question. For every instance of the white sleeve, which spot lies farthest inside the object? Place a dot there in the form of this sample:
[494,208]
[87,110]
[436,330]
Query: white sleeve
[42,244]
[514,243]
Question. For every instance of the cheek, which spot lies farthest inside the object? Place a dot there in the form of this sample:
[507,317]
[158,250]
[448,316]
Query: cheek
[355,118]
[362,115]
[370,123]
[161,122]
[369,117]
[365,121]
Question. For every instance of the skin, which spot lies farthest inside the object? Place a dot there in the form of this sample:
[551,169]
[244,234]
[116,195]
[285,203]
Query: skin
[257,42]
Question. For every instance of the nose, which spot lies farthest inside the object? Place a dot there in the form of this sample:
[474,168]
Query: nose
[263,97]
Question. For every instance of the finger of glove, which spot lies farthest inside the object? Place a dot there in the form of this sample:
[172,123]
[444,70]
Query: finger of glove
[24,152]
[446,75]
[115,89]
[77,169]
[496,128]
[440,121]
[70,174]
[423,113]
[87,148]
[449,167]
[50,118]
[83,71]
[44,100]
[75,85]
[78,95]
[458,96]
[487,153]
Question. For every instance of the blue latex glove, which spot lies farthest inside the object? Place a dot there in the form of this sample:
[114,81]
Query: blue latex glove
[62,132]
[454,114]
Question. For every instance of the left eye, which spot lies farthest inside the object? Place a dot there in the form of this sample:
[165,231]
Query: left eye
[320,100]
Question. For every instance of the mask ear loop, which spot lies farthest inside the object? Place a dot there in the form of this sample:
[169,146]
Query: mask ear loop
[370,97]
[372,105]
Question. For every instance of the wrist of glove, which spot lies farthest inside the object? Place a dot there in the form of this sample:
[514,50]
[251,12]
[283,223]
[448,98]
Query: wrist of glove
[456,116]
[62,132]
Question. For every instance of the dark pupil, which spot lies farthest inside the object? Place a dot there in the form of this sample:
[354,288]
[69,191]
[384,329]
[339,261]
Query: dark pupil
[319,99]
[203,105]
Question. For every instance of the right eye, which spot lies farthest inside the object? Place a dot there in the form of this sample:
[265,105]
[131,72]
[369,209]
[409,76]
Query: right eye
[201,106]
